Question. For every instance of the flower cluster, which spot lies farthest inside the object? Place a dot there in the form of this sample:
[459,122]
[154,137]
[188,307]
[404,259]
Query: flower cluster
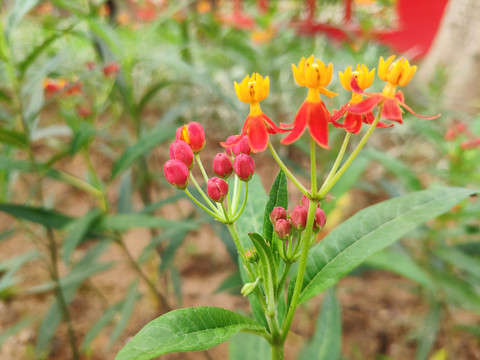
[313,115]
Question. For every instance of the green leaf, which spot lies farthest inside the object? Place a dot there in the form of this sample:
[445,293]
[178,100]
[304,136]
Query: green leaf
[248,346]
[251,220]
[13,138]
[428,332]
[400,264]
[104,320]
[267,263]
[122,222]
[232,284]
[14,329]
[7,163]
[326,341]
[38,215]
[125,193]
[278,197]
[457,291]
[16,14]
[126,312]
[459,259]
[186,329]
[252,299]
[371,230]
[52,319]
[141,148]
[78,229]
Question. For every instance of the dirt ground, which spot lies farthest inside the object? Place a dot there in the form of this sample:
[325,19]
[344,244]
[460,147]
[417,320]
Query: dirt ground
[380,311]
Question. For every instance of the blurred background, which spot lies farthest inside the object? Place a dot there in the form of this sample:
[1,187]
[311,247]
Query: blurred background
[94,243]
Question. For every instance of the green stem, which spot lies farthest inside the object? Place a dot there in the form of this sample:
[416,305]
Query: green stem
[204,196]
[236,239]
[327,186]
[202,169]
[216,215]
[337,162]
[281,283]
[287,172]
[277,349]
[313,167]
[307,234]
[237,215]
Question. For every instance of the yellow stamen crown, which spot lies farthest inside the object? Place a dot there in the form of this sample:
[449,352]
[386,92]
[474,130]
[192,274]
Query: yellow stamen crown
[253,88]
[363,76]
[312,73]
[396,73]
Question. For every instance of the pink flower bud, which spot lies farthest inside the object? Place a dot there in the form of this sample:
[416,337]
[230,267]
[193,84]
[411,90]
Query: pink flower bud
[193,135]
[306,202]
[299,217]
[229,149]
[282,228]
[180,150]
[236,145]
[176,173]
[278,212]
[251,255]
[320,219]
[244,167]
[243,147]
[222,165]
[217,189]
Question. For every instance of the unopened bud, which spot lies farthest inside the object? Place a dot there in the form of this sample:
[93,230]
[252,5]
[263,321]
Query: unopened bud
[248,288]
[229,149]
[282,228]
[243,147]
[193,135]
[278,212]
[306,201]
[299,217]
[217,189]
[320,219]
[222,165]
[180,150]
[176,173]
[251,255]
[244,167]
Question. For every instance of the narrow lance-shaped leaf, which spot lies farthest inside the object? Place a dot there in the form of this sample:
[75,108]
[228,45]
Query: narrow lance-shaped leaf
[186,329]
[267,263]
[371,230]
[278,197]
[325,344]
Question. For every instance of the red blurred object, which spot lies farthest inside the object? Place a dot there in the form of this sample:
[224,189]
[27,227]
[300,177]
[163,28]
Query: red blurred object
[111,69]
[418,22]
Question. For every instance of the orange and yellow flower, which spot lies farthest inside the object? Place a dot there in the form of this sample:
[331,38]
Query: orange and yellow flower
[315,75]
[353,122]
[398,73]
[257,126]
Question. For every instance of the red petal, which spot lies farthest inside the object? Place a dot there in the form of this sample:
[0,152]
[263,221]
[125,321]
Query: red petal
[299,124]
[257,134]
[271,127]
[369,118]
[414,113]
[366,106]
[391,110]
[355,88]
[353,122]
[318,118]
[399,96]
[337,114]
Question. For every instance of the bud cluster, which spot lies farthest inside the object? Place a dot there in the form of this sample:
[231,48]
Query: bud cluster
[190,141]
[283,223]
